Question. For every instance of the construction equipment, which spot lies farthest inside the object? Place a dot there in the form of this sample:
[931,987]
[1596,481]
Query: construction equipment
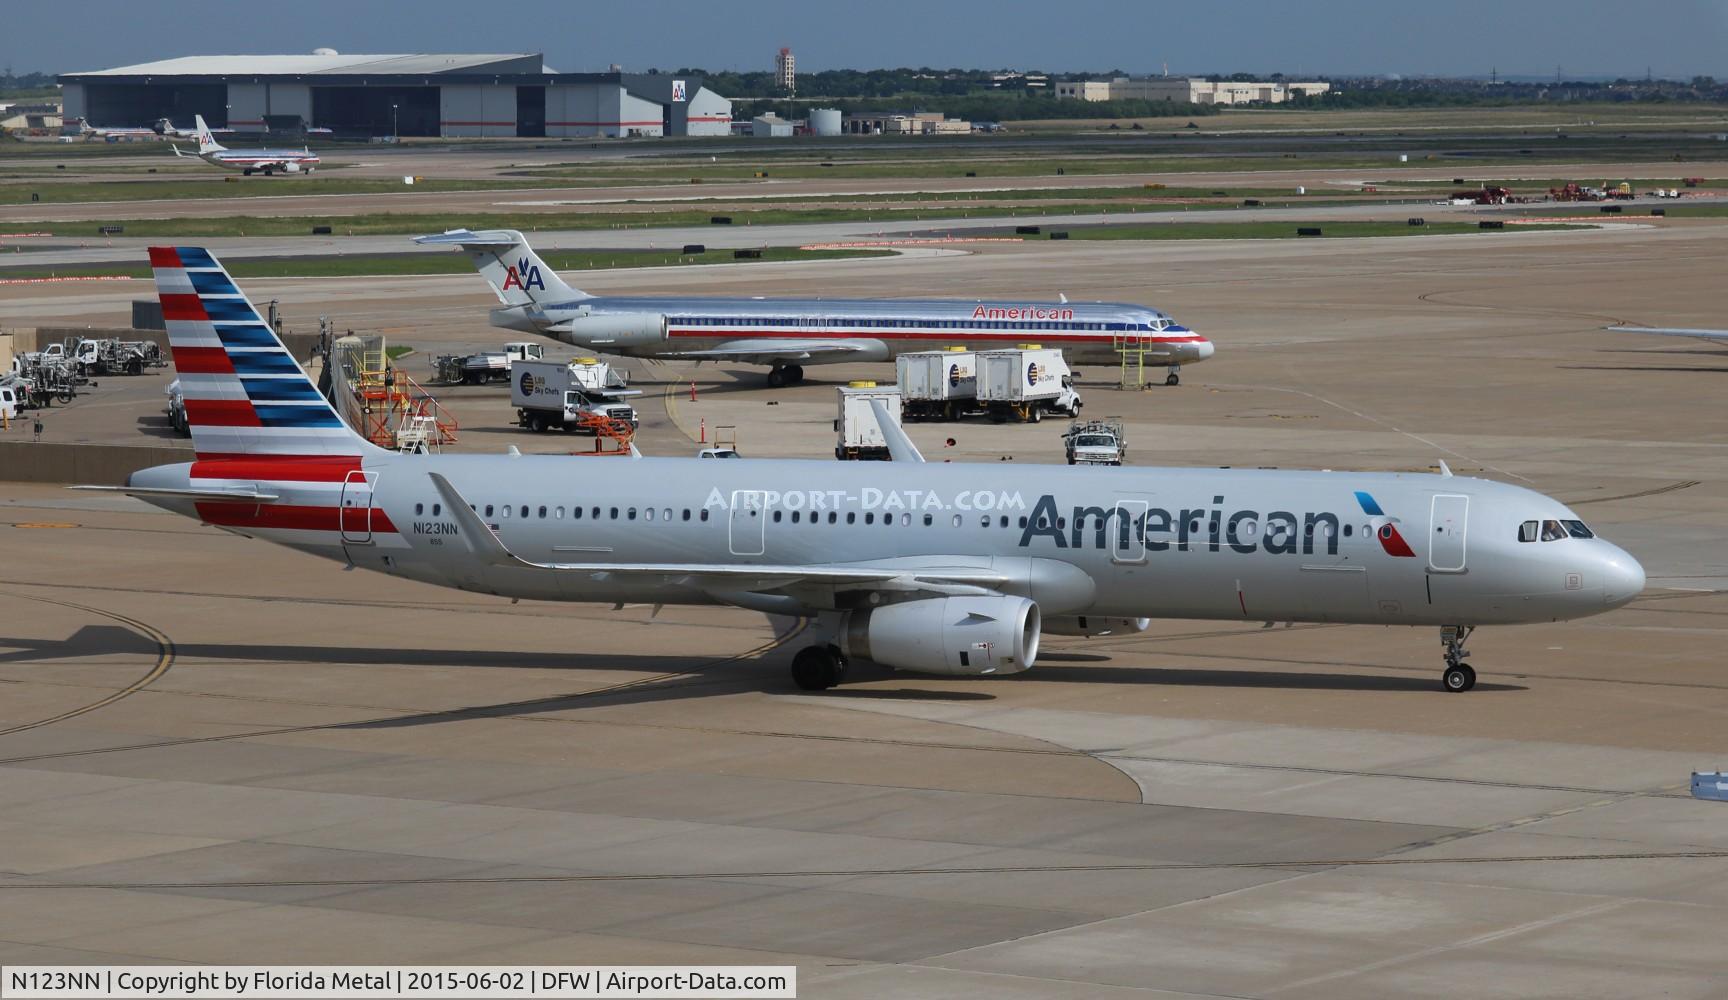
[1485,195]
[1095,442]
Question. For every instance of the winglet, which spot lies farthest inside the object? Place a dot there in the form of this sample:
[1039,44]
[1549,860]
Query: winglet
[1445,470]
[481,539]
[900,447]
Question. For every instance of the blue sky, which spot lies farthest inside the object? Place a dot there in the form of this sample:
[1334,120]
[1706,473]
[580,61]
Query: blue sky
[1678,38]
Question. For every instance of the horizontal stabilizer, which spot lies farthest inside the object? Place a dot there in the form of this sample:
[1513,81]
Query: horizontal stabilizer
[246,496]
[468,238]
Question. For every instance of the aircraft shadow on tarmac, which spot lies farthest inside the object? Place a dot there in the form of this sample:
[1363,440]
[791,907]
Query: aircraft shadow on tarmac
[1689,369]
[696,677]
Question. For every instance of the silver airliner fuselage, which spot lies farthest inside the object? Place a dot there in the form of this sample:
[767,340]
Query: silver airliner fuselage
[878,329]
[1254,545]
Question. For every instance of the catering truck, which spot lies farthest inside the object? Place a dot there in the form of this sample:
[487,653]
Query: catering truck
[558,395]
[937,385]
[1025,384]
[856,431]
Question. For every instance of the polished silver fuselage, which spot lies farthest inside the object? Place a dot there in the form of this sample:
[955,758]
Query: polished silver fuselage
[876,329]
[1173,543]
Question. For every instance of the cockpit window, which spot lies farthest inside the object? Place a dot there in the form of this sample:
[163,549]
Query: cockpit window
[1578,529]
[1552,531]
[1527,532]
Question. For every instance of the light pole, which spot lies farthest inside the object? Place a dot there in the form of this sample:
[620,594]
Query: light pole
[393,136]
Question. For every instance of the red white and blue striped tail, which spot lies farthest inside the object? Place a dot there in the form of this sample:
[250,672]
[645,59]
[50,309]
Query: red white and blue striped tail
[246,396]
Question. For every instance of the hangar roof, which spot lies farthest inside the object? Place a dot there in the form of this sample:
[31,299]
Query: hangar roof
[308,65]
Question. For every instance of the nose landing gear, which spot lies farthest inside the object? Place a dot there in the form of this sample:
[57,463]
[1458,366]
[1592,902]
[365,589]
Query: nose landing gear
[1174,375]
[1458,676]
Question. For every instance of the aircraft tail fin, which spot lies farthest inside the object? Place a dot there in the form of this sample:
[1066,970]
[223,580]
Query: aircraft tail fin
[206,142]
[246,396]
[503,257]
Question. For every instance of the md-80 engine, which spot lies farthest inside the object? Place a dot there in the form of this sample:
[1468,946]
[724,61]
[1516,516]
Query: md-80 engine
[1094,625]
[947,635]
[608,330]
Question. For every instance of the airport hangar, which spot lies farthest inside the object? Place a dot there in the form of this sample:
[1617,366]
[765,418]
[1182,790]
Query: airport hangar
[453,96]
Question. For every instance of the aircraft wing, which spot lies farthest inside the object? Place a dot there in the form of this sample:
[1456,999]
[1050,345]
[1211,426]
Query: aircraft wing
[1670,331]
[723,577]
[767,351]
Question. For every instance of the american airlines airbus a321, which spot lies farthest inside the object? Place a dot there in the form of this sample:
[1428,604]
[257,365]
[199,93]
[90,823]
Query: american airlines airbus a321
[787,334]
[941,568]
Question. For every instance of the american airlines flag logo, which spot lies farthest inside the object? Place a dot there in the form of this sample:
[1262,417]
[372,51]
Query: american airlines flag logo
[677,91]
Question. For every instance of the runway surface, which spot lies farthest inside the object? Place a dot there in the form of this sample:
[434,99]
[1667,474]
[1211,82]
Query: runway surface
[214,750]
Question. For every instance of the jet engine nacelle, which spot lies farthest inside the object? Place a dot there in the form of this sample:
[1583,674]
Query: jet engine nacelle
[604,330]
[947,635]
[291,167]
[1094,625]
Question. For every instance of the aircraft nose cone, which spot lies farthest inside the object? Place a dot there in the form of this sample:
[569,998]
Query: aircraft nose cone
[1202,350]
[1622,577]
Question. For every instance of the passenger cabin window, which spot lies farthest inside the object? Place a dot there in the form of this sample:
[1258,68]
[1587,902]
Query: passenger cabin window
[437,509]
[419,509]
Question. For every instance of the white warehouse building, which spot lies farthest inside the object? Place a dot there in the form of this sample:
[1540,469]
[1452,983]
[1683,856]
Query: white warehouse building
[365,96]
[1189,90]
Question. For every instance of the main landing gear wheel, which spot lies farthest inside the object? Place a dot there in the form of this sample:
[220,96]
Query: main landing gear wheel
[818,668]
[1459,676]
[795,373]
[777,378]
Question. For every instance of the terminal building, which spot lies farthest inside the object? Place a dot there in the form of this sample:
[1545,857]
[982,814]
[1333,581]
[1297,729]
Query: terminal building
[371,96]
[1189,90]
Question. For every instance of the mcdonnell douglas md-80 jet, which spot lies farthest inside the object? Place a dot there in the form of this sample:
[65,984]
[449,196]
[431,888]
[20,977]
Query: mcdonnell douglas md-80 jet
[941,568]
[787,334]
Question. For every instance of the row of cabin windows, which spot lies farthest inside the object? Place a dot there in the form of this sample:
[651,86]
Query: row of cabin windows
[909,324]
[1247,529]
[1553,530]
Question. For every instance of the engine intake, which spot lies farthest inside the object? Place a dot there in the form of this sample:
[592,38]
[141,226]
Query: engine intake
[1094,625]
[948,635]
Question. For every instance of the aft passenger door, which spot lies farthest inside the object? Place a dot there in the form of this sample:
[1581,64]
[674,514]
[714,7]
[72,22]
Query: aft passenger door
[355,516]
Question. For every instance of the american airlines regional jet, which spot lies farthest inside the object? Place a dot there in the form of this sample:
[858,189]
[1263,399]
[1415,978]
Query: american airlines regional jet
[787,334]
[940,568]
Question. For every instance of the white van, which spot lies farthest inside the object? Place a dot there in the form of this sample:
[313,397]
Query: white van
[11,399]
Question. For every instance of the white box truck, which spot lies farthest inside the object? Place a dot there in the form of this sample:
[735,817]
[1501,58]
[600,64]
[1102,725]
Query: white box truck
[857,434]
[938,385]
[1026,383]
[550,395]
